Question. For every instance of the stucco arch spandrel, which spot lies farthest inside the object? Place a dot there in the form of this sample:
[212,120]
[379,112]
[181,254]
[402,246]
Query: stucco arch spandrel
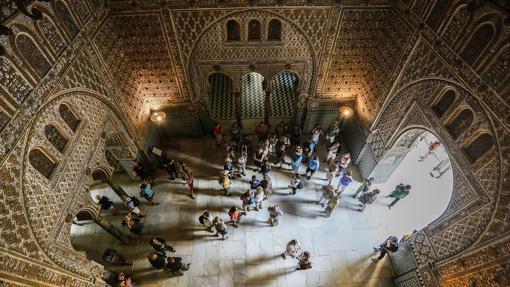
[50,203]
[475,196]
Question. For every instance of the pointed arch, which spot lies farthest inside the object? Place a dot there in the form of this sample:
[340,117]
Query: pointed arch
[444,101]
[32,54]
[69,117]
[41,162]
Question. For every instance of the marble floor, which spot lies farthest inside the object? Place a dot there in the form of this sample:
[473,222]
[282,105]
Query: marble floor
[341,246]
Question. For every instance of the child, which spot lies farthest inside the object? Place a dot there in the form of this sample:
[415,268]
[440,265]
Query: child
[221,228]
[235,216]
[274,213]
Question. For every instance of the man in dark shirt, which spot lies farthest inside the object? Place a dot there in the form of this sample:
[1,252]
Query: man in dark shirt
[176,266]
[157,260]
[106,203]
[159,244]
[389,246]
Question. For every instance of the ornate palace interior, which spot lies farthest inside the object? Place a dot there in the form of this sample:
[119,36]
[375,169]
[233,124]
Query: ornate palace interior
[88,86]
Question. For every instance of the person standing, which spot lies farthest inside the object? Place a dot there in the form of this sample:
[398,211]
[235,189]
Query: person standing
[235,134]
[295,136]
[400,192]
[327,194]
[367,198]
[332,132]
[274,212]
[132,204]
[229,167]
[106,204]
[147,192]
[332,172]
[266,185]
[281,151]
[390,245]
[218,134]
[344,162]
[261,130]
[187,174]
[159,244]
[313,166]
[345,181]
[265,167]
[125,280]
[206,220]
[225,182]
[171,168]
[259,198]
[433,146]
[295,183]
[254,183]
[175,265]
[241,165]
[248,199]
[316,133]
[332,152]
[297,158]
[364,187]
[235,216]
[293,249]
[258,158]
[332,203]
[304,261]
[221,228]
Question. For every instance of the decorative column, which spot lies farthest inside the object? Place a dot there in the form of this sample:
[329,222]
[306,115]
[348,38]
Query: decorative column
[111,229]
[267,106]
[237,97]
[118,190]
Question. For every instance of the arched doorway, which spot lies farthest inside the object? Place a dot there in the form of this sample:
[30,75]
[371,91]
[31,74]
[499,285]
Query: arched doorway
[221,99]
[418,159]
[283,97]
[253,100]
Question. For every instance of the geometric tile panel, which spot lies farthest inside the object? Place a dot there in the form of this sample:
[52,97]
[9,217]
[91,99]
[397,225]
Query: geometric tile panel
[283,95]
[252,96]
[221,97]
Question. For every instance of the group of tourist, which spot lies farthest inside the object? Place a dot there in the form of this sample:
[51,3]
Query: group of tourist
[272,150]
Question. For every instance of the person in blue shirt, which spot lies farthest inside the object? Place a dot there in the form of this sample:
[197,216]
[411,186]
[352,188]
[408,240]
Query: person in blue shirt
[313,166]
[147,193]
[344,181]
[254,183]
[297,158]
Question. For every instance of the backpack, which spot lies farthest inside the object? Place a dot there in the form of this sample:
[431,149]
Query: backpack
[135,201]
[301,184]
[201,219]
[142,192]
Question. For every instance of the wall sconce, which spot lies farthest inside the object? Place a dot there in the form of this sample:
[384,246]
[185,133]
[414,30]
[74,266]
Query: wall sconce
[158,116]
[345,112]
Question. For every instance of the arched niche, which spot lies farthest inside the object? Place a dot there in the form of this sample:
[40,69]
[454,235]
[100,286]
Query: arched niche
[477,148]
[51,34]
[252,96]
[254,30]
[64,14]
[99,175]
[68,116]
[55,137]
[233,30]
[41,162]
[444,102]
[478,43]
[221,98]
[460,123]
[274,30]
[437,13]
[456,24]
[32,54]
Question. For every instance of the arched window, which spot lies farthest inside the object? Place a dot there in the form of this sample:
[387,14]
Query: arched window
[233,31]
[99,174]
[66,17]
[55,137]
[41,162]
[445,102]
[32,55]
[51,34]
[274,31]
[460,123]
[478,43]
[456,24]
[254,33]
[437,13]
[479,147]
[68,116]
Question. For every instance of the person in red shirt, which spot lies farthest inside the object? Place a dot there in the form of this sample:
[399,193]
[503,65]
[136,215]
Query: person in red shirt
[218,133]
[235,216]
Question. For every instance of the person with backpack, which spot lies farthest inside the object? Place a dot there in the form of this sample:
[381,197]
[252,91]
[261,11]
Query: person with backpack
[132,204]
[147,192]
[175,265]
[400,192]
[327,194]
[365,186]
[225,182]
[367,198]
[313,166]
[332,203]
[296,183]
[221,228]
[160,245]
[304,261]
[248,199]
[206,220]
[235,216]
[274,212]
[229,167]
[390,245]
